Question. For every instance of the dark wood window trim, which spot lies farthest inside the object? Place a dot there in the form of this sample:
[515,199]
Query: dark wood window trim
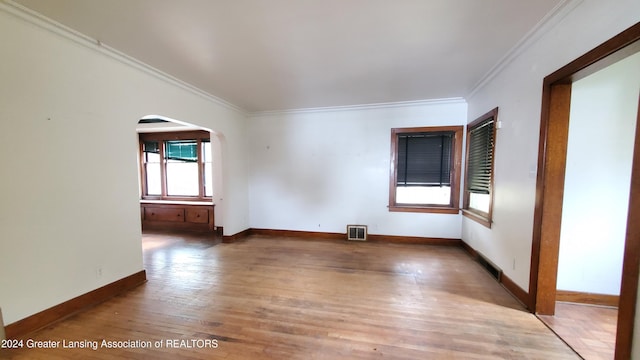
[198,135]
[456,145]
[484,218]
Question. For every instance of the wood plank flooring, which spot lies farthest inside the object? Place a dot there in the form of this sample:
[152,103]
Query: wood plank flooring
[287,298]
[589,330]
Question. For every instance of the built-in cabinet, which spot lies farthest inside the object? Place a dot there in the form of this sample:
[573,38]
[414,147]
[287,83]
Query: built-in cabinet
[172,215]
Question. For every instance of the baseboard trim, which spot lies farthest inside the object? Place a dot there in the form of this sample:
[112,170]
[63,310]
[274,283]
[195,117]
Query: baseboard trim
[472,252]
[228,239]
[587,298]
[516,291]
[299,234]
[412,240]
[56,313]
[343,236]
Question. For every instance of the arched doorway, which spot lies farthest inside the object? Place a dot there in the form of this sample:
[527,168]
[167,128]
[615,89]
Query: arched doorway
[180,163]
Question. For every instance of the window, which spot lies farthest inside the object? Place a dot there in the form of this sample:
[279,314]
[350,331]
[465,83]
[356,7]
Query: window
[478,189]
[176,165]
[425,169]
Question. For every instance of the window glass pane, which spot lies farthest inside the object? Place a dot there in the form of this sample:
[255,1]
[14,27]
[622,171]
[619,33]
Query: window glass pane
[151,152]
[479,202]
[422,195]
[182,178]
[207,158]
[182,168]
[208,184]
[153,176]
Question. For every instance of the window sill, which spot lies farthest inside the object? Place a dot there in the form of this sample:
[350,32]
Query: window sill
[477,217]
[177,202]
[424,209]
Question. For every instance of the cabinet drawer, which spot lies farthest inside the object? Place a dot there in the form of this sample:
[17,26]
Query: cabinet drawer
[200,216]
[164,214]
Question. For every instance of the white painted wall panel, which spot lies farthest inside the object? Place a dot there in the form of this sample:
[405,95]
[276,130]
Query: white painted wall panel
[322,170]
[69,178]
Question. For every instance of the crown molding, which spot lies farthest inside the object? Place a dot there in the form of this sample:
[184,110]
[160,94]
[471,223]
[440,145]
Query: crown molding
[387,105]
[57,28]
[543,26]
[35,18]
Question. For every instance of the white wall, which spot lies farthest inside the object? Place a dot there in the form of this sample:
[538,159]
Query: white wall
[69,181]
[597,180]
[517,90]
[321,170]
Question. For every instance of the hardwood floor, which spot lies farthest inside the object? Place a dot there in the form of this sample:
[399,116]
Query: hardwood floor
[287,298]
[589,330]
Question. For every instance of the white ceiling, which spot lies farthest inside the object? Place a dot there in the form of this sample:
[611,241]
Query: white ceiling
[286,54]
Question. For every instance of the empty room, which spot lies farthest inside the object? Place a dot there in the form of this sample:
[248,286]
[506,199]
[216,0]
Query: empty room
[337,179]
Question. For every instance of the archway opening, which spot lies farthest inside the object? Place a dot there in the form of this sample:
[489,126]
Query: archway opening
[180,175]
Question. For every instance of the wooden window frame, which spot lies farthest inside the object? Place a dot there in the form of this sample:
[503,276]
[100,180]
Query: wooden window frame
[161,137]
[484,218]
[454,205]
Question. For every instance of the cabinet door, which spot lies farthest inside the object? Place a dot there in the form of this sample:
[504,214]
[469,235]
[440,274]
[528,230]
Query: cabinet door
[164,214]
[200,216]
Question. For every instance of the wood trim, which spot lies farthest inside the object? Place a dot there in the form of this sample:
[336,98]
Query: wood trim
[343,236]
[228,239]
[477,217]
[175,135]
[631,260]
[56,313]
[424,209]
[472,252]
[519,293]
[587,298]
[201,192]
[413,240]
[456,170]
[163,174]
[552,188]
[483,218]
[516,291]
[539,197]
[300,234]
[567,73]
[141,168]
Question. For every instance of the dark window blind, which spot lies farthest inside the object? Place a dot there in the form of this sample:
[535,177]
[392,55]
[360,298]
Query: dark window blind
[151,147]
[424,159]
[182,150]
[480,159]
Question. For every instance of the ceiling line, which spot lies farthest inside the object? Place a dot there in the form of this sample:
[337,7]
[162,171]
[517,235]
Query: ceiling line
[387,105]
[31,16]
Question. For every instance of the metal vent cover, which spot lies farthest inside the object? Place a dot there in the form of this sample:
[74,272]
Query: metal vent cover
[490,267]
[357,232]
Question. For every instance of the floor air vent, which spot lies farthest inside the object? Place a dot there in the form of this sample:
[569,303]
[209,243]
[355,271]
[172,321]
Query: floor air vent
[492,269]
[357,232]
